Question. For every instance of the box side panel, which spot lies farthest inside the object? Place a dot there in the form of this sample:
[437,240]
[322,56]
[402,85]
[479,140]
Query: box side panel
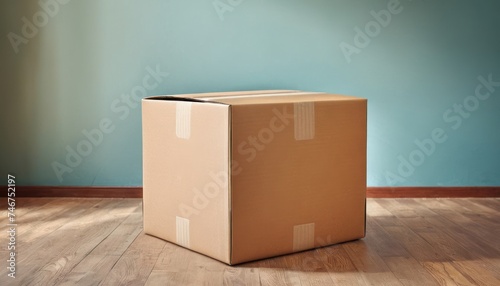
[186,164]
[301,177]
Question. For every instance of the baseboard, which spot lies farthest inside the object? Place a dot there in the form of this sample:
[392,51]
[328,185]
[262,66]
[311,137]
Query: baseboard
[371,192]
[433,192]
[75,192]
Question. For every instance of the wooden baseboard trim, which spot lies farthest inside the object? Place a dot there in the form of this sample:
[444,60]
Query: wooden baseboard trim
[75,192]
[371,192]
[433,192]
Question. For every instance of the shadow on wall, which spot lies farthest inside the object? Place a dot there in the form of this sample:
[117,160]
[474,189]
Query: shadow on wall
[20,52]
[42,64]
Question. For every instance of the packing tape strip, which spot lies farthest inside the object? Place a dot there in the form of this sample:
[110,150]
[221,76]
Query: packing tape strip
[182,231]
[304,120]
[303,237]
[183,119]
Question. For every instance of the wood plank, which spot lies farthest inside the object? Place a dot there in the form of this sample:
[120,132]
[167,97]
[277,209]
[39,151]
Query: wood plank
[85,236]
[384,244]
[309,267]
[463,255]
[373,267]
[174,258]
[274,271]
[121,238]
[135,265]
[37,254]
[492,204]
[107,253]
[90,271]
[446,274]
[463,237]
[475,271]
[184,267]
[446,244]
[399,208]
[241,275]
[164,278]
[455,214]
[401,263]
[480,214]
[409,271]
[420,249]
[24,206]
[55,215]
[471,206]
[450,249]
[340,267]
[374,209]
[204,270]
[459,234]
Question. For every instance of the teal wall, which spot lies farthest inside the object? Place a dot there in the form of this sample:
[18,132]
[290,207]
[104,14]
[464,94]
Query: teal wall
[78,70]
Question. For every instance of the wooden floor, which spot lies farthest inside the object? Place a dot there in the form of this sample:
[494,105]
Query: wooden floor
[67,241]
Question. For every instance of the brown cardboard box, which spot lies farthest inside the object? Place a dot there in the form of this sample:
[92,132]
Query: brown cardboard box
[250,175]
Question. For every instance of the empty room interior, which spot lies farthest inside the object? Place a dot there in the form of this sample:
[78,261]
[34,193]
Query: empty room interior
[250,142]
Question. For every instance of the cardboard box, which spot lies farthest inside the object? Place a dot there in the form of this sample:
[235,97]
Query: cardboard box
[249,175]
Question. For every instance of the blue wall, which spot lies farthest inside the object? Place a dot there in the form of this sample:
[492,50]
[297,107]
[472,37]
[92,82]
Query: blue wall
[78,69]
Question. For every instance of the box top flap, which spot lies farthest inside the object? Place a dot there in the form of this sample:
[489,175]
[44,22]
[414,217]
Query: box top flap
[282,98]
[232,93]
[212,95]
[257,97]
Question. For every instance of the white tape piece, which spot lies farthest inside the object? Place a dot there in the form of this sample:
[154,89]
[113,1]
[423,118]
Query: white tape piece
[182,231]
[304,119]
[183,119]
[303,237]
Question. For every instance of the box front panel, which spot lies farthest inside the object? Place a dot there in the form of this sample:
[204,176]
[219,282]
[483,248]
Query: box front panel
[299,176]
[186,167]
